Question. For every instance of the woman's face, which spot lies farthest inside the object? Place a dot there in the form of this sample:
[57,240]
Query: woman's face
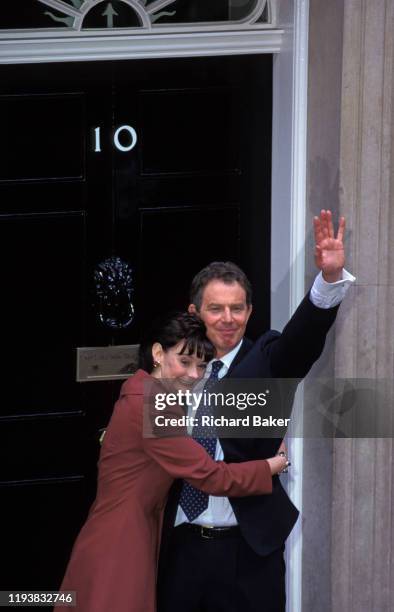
[183,370]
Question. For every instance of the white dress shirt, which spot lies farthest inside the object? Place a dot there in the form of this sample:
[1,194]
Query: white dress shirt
[219,512]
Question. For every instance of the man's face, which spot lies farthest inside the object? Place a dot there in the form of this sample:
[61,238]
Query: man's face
[225,314]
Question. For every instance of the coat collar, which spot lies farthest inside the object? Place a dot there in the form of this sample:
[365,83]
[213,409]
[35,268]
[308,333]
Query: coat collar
[135,384]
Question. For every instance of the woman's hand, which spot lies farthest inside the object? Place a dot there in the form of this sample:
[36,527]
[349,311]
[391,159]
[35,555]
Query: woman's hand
[280,462]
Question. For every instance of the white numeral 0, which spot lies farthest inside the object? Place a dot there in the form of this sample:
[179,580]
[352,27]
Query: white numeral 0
[133,135]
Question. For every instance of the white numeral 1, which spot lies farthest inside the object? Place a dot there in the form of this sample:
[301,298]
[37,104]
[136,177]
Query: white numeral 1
[98,140]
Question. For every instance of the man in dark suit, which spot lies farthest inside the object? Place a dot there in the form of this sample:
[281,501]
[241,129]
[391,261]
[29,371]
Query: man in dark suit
[221,554]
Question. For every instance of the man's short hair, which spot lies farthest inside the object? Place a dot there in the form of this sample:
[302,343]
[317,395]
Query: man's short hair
[225,271]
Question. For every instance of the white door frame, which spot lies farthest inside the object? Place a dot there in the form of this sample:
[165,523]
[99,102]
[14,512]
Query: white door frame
[290,83]
[288,41]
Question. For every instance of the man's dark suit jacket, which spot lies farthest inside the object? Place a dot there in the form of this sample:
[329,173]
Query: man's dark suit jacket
[266,520]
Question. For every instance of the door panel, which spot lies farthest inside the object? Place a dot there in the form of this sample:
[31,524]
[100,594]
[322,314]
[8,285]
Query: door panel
[195,188]
[40,521]
[177,125]
[183,237]
[43,272]
[48,136]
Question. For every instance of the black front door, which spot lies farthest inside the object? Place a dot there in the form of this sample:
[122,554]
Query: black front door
[133,173]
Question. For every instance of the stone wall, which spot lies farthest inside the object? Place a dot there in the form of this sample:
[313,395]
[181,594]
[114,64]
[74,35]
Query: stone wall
[363,502]
[348,514]
[323,154]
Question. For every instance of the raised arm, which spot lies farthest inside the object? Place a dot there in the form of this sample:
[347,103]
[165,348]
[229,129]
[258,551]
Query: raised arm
[301,343]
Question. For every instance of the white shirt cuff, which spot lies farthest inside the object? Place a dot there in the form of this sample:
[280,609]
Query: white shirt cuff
[328,295]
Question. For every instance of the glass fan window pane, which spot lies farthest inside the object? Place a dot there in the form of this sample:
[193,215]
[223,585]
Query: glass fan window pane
[264,15]
[74,3]
[186,11]
[27,14]
[113,14]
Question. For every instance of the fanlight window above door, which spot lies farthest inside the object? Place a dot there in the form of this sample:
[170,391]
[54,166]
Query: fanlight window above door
[139,15]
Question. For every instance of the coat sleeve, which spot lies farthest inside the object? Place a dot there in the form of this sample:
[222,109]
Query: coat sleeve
[183,457]
[294,351]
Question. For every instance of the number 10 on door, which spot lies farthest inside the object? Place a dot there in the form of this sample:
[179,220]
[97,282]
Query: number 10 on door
[131,135]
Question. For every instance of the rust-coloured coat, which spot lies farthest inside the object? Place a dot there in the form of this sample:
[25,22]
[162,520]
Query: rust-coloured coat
[113,562]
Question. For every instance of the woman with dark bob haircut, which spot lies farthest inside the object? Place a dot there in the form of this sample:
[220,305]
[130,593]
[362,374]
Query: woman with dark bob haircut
[113,562]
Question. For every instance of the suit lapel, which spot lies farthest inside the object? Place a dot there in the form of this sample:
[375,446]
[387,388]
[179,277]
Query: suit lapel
[237,449]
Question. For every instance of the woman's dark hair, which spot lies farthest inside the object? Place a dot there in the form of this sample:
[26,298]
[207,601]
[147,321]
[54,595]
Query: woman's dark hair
[171,329]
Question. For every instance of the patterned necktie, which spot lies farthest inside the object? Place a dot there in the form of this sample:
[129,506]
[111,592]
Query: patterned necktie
[193,501]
